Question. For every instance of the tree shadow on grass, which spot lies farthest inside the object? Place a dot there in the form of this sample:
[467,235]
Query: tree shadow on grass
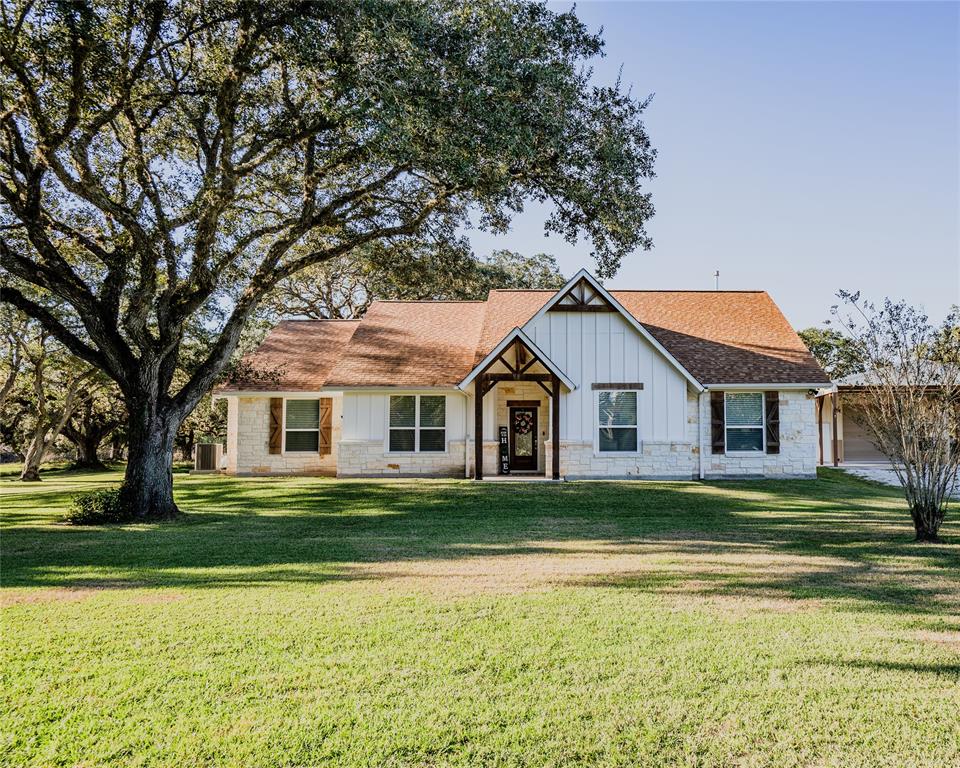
[836,539]
[859,587]
[877,665]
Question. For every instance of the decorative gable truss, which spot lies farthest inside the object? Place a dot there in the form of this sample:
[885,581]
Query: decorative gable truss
[582,296]
[513,360]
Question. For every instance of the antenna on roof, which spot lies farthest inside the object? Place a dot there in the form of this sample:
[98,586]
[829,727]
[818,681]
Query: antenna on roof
[716,276]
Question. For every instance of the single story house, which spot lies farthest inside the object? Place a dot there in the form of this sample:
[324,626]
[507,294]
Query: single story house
[576,383]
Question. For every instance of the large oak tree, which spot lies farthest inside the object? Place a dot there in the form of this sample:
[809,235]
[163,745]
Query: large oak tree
[164,158]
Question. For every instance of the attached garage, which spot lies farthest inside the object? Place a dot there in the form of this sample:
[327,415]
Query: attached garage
[857,445]
[853,442]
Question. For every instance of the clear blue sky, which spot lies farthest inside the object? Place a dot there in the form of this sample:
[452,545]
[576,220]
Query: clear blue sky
[803,147]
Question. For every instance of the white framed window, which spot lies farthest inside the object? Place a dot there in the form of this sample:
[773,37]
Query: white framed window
[301,426]
[618,429]
[417,423]
[744,421]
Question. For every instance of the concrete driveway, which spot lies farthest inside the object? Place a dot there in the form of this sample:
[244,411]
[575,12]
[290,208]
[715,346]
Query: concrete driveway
[881,472]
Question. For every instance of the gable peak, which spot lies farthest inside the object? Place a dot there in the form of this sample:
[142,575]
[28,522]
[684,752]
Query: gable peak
[582,293]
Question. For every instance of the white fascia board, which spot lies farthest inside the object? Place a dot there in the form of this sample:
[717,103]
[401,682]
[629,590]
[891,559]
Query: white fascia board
[792,385]
[517,333]
[277,393]
[406,388]
[399,389]
[636,324]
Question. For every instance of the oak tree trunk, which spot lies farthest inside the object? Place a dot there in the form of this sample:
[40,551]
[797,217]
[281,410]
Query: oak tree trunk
[33,457]
[147,490]
[43,438]
[88,446]
[49,425]
[87,434]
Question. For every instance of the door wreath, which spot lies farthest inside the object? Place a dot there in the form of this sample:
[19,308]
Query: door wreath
[523,423]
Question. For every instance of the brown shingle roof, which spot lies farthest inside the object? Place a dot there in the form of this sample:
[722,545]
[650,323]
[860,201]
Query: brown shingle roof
[296,356]
[507,310]
[720,337]
[725,337]
[411,343]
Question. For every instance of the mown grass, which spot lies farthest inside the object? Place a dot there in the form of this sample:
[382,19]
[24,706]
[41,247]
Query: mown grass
[317,622]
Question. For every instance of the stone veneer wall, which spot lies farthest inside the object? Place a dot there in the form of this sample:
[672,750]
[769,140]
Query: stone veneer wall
[798,444]
[656,461]
[250,453]
[680,460]
[668,459]
[369,459]
[233,435]
[491,458]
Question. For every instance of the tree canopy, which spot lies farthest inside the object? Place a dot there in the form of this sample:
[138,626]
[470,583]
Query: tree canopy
[345,287]
[834,351]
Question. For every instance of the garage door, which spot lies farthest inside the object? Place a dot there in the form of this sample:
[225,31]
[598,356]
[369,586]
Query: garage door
[856,441]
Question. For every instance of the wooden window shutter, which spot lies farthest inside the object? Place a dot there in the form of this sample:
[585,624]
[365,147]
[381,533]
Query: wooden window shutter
[717,423]
[326,426]
[772,406]
[276,424]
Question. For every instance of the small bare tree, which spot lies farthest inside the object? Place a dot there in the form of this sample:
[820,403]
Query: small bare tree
[910,399]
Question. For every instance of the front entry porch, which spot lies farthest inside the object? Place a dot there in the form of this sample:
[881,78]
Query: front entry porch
[530,400]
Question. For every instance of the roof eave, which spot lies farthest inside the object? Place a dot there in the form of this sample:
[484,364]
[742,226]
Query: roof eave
[769,385]
[279,392]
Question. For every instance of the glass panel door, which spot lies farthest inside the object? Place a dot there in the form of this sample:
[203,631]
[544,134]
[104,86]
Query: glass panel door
[523,442]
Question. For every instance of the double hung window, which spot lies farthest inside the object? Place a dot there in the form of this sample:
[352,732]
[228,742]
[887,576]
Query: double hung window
[417,423]
[617,421]
[302,426]
[743,417]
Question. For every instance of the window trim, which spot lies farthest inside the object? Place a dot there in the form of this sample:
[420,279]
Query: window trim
[283,447]
[416,426]
[596,424]
[762,427]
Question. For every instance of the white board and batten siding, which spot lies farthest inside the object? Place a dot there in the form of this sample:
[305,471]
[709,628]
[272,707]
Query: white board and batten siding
[601,347]
[365,413]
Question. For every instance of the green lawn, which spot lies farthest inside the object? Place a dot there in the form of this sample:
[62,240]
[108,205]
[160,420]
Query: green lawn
[316,622]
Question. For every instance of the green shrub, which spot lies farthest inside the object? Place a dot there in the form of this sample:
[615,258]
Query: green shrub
[97,508]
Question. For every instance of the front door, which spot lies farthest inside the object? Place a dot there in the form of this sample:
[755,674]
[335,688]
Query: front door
[523,439]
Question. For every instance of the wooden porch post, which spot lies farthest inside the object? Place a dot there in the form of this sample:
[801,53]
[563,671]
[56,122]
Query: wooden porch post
[479,385]
[820,426]
[833,402]
[555,426]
